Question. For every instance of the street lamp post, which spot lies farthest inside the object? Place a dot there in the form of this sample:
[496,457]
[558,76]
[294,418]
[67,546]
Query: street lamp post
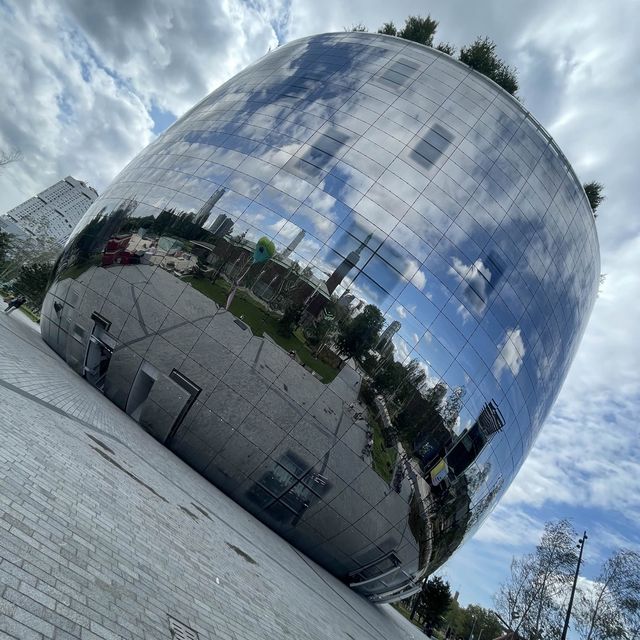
[573,588]
[473,626]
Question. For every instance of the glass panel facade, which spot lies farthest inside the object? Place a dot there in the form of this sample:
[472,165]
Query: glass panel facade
[373,264]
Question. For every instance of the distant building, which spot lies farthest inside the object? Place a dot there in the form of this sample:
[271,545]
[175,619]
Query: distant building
[293,244]
[221,226]
[205,210]
[345,266]
[387,335]
[54,212]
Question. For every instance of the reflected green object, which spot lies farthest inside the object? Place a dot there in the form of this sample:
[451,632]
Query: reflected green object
[264,250]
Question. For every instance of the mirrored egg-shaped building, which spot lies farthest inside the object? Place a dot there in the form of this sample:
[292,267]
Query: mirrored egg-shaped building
[346,288]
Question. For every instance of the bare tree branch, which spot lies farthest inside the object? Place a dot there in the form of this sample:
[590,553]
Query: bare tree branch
[7,157]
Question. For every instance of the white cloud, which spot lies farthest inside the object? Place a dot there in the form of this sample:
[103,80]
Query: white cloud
[511,354]
[80,79]
[588,453]
[62,123]
[420,279]
[510,527]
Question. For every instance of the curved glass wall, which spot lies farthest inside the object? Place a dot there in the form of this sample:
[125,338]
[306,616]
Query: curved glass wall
[346,288]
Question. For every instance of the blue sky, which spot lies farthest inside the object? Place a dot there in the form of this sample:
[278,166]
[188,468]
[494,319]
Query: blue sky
[86,86]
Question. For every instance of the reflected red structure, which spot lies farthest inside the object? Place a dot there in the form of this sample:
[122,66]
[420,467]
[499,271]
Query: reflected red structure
[116,251]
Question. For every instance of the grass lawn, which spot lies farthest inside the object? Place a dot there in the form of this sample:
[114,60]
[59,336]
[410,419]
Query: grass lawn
[261,321]
[30,314]
[384,459]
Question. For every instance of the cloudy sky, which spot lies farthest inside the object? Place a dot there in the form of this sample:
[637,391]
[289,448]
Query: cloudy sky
[85,86]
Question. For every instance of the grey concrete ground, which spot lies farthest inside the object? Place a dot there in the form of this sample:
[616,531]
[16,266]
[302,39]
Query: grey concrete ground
[99,542]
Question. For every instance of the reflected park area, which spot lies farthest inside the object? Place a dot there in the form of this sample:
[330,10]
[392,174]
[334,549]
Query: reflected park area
[346,288]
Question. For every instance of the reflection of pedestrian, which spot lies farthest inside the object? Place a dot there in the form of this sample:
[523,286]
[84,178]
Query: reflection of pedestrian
[14,304]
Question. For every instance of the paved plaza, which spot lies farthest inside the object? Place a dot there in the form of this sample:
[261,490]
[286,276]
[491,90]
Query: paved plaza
[101,541]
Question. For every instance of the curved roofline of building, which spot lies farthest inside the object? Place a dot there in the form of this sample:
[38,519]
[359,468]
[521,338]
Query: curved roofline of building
[480,76]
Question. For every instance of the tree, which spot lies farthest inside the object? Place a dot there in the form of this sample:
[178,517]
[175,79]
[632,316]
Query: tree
[389,29]
[420,424]
[463,620]
[25,251]
[418,29]
[481,56]
[361,333]
[594,194]
[32,282]
[447,48]
[7,157]
[433,601]
[530,601]
[5,244]
[452,406]
[290,319]
[610,608]
[357,27]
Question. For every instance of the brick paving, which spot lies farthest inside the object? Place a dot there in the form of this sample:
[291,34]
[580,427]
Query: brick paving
[104,533]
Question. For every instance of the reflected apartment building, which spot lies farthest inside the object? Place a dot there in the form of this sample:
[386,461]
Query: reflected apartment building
[345,287]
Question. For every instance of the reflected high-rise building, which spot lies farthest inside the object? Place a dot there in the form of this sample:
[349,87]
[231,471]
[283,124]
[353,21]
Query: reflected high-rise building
[386,336]
[346,288]
[221,226]
[291,247]
[345,267]
[204,211]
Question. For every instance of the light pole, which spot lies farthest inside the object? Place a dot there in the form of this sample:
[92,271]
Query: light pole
[473,626]
[573,588]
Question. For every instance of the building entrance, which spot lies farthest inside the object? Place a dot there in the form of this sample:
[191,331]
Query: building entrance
[99,352]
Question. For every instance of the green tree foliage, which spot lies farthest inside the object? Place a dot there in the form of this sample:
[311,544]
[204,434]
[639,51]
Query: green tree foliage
[359,27]
[481,56]
[416,29]
[463,620]
[388,29]
[433,602]
[389,377]
[419,29]
[19,252]
[361,333]
[420,422]
[321,331]
[32,282]
[5,243]
[609,608]
[594,194]
[290,319]
[452,406]
[447,48]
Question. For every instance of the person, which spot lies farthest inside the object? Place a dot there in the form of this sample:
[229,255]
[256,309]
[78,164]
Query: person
[14,304]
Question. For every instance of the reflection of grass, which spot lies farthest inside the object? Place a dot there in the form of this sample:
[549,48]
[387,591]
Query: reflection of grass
[384,459]
[401,609]
[261,321]
[30,314]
